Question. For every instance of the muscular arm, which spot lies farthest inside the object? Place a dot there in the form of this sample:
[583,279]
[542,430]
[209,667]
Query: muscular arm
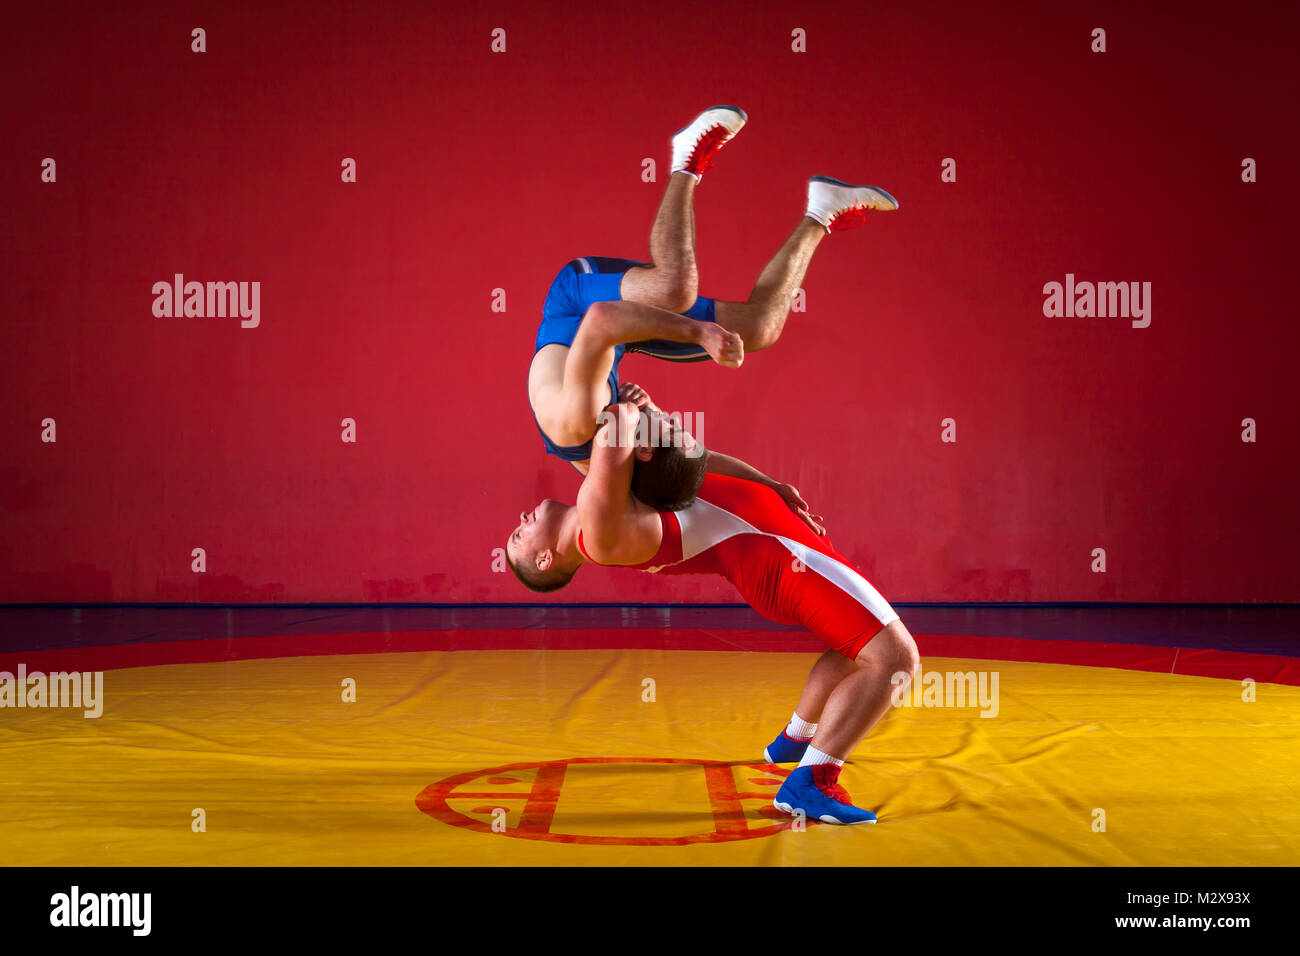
[616,527]
[590,357]
[720,464]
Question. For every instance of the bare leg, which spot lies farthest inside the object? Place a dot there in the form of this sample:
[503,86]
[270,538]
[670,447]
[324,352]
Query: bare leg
[859,700]
[760,320]
[831,668]
[672,279]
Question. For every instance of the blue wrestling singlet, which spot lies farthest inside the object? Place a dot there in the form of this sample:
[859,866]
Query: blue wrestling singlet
[597,279]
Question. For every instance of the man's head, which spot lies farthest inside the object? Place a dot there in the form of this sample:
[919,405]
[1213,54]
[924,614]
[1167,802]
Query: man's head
[531,549]
[670,463]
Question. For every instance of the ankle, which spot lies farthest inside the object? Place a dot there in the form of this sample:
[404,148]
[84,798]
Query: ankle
[814,757]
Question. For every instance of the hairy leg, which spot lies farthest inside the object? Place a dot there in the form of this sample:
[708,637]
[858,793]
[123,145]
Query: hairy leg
[759,321]
[831,668]
[859,700]
[671,281]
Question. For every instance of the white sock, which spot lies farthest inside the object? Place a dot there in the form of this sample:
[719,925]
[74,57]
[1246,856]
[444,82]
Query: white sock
[800,729]
[815,756]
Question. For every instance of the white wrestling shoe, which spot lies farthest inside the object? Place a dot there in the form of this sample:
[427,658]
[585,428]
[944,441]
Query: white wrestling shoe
[838,206]
[695,146]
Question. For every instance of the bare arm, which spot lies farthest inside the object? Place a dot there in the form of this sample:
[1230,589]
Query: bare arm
[720,464]
[609,324]
[616,527]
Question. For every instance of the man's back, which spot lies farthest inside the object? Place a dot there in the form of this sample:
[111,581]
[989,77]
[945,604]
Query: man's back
[745,532]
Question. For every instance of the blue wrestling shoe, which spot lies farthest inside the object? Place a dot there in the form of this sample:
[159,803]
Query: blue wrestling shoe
[786,749]
[814,790]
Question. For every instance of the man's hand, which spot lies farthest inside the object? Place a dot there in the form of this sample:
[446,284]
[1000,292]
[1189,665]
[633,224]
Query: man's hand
[629,392]
[616,427]
[800,507]
[725,348]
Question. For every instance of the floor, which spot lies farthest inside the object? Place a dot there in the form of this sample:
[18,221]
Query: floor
[633,736]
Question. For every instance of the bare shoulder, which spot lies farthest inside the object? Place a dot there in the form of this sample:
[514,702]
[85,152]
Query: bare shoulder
[546,373]
[546,395]
[633,539]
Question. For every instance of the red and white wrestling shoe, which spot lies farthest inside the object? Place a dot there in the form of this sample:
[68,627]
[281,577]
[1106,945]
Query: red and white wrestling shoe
[695,146]
[838,205]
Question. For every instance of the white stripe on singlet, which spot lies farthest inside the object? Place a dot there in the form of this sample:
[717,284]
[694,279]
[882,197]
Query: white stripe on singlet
[586,264]
[704,525]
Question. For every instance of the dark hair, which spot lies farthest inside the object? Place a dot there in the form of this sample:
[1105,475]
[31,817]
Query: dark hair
[537,580]
[671,479]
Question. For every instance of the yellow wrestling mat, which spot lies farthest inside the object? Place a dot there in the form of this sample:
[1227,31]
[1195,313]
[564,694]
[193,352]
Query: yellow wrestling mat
[1179,770]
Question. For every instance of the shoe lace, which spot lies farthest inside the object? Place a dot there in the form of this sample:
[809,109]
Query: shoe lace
[826,777]
[853,216]
[707,146]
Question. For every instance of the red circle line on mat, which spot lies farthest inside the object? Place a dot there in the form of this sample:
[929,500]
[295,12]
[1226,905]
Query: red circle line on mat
[542,799]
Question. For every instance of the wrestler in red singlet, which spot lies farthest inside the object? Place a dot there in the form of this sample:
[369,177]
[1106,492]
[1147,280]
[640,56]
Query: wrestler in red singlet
[759,534]
[745,532]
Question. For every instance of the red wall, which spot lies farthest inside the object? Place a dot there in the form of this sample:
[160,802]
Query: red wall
[479,171]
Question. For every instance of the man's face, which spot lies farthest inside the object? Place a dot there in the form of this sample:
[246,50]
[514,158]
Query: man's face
[658,429]
[538,530]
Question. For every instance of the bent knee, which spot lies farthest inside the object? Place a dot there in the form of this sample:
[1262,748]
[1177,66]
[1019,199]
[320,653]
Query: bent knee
[762,337]
[894,649]
[680,296]
[759,328]
[670,289]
